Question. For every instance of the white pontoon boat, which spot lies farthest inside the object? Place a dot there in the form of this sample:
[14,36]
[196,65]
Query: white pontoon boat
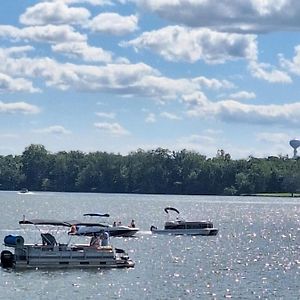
[182,227]
[48,253]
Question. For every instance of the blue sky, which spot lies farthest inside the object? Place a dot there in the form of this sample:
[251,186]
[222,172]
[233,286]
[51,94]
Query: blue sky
[100,75]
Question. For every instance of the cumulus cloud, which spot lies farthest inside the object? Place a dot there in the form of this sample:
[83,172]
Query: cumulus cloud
[113,23]
[9,84]
[45,13]
[293,65]
[92,2]
[18,107]
[212,83]
[125,79]
[15,51]
[113,128]
[243,95]
[229,15]
[48,33]
[176,43]
[233,111]
[268,73]
[55,129]
[83,51]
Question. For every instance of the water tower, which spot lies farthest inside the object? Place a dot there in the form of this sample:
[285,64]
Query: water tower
[295,144]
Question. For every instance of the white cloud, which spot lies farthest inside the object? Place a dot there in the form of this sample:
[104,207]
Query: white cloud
[292,66]
[48,33]
[268,73]
[84,51]
[243,95]
[213,83]
[204,144]
[233,111]
[274,143]
[55,129]
[106,115]
[45,13]
[9,84]
[125,79]
[273,138]
[18,107]
[164,88]
[113,23]
[229,15]
[170,116]
[92,2]
[151,118]
[113,128]
[176,43]
[15,51]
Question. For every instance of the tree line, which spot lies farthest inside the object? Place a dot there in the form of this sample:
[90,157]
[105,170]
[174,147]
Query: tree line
[158,171]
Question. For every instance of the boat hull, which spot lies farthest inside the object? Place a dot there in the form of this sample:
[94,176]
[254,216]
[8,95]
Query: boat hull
[123,232]
[24,265]
[112,231]
[205,232]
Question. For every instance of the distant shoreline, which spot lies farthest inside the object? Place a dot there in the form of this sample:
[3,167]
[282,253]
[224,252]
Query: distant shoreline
[284,195]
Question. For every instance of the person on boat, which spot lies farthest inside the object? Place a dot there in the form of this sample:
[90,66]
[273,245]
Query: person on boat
[132,224]
[105,239]
[119,223]
[72,230]
[95,241]
[114,224]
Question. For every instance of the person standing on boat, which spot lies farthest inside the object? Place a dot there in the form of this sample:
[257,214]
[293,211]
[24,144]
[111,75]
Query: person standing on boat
[105,239]
[132,224]
[95,241]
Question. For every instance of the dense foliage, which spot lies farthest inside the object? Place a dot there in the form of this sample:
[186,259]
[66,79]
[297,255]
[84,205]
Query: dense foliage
[156,171]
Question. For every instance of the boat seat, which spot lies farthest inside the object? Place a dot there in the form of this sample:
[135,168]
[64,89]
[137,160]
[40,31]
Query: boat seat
[48,239]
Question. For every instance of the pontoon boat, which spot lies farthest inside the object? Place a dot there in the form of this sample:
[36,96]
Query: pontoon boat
[48,253]
[182,227]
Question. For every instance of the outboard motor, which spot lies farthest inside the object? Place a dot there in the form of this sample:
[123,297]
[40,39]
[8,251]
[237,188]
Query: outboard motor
[7,259]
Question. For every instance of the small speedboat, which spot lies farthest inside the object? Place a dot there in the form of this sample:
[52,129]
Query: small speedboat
[181,227]
[50,254]
[90,227]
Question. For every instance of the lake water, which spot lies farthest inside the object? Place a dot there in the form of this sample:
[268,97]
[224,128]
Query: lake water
[256,254]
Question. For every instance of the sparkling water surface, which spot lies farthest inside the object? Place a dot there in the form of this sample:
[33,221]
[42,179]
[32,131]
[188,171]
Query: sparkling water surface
[256,254]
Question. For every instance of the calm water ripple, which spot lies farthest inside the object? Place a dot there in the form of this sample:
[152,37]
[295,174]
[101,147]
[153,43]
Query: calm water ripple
[255,256]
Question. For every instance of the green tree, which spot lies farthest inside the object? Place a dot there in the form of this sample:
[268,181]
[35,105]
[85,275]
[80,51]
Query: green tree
[11,177]
[243,184]
[291,183]
[35,166]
